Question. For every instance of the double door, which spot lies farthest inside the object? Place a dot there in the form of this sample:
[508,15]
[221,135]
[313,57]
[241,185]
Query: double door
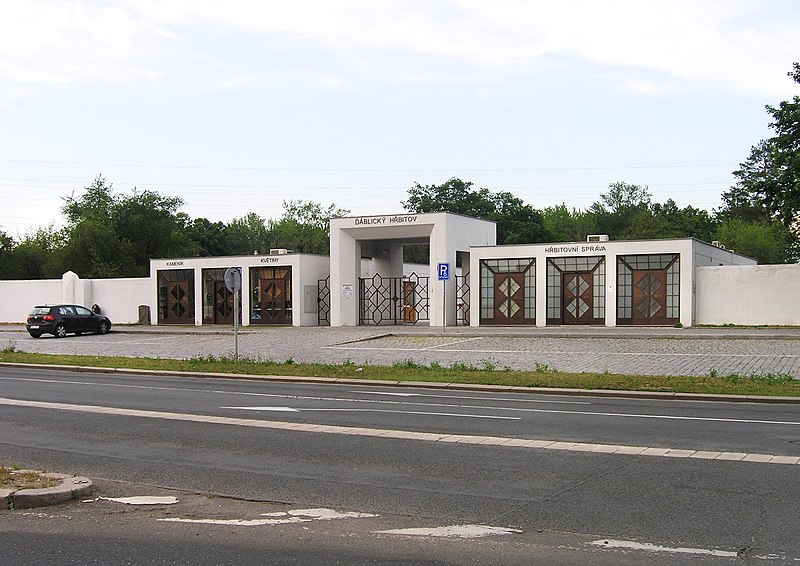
[223,304]
[509,299]
[578,298]
[649,297]
[178,307]
[273,296]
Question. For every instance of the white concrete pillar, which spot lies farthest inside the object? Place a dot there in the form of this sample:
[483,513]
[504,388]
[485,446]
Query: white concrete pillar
[247,295]
[198,296]
[345,271]
[541,291]
[611,289]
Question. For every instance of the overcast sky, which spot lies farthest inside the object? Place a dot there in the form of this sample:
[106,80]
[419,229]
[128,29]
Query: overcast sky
[236,106]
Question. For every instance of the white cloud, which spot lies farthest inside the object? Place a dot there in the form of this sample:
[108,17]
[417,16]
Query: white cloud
[739,45]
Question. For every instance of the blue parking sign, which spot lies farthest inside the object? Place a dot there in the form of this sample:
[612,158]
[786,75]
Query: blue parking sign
[444,271]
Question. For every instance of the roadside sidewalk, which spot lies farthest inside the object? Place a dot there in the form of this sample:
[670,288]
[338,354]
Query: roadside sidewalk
[626,332]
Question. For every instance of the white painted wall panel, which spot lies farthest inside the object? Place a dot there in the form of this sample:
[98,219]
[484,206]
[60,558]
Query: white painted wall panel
[119,299]
[20,296]
[748,295]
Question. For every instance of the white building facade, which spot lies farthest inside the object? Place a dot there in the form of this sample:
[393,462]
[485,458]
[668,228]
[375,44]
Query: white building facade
[671,282]
[639,283]
[277,289]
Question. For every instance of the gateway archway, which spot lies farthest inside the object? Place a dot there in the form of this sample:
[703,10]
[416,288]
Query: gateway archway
[384,294]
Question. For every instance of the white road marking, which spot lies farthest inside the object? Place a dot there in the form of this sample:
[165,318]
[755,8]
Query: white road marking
[237,522]
[456,531]
[420,436]
[647,547]
[443,405]
[388,394]
[273,409]
[141,500]
[470,398]
[318,410]
[302,397]
[279,518]
[414,413]
[323,514]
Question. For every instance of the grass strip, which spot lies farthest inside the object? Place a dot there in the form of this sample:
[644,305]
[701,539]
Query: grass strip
[487,373]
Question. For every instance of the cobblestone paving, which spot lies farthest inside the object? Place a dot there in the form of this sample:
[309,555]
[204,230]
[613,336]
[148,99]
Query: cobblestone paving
[654,352]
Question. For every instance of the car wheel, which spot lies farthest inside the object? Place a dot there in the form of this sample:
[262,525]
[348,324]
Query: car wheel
[35,334]
[104,327]
[60,331]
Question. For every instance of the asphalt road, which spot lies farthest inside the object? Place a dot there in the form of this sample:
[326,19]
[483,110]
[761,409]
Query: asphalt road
[534,467]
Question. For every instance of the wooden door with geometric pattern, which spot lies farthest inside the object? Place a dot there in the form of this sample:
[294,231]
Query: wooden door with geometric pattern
[578,298]
[223,304]
[178,311]
[509,298]
[274,304]
[649,297]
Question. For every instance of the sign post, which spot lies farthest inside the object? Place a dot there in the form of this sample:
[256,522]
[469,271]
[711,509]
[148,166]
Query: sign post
[443,270]
[233,282]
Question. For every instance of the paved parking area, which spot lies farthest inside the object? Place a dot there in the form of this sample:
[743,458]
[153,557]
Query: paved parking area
[652,351]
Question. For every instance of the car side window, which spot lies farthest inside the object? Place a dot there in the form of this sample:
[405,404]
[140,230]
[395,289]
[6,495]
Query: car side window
[83,311]
[68,311]
[62,311]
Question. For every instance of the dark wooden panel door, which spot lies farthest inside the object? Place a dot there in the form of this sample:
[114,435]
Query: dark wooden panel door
[223,304]
[650,297]
[274,302]
[578,298]
[178,310]
[509,298]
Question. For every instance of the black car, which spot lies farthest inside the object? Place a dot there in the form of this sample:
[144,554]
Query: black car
[60,320]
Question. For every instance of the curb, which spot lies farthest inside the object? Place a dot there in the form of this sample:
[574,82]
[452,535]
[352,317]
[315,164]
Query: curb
[608,393]
[70,487]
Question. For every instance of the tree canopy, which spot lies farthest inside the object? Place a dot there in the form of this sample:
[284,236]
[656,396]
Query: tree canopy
[516,221]
[768,181]
[108,234]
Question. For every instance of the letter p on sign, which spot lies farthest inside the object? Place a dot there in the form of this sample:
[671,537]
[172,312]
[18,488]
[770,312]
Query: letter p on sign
[444,271]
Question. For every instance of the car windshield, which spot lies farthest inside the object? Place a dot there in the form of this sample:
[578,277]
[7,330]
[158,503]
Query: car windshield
[40,310]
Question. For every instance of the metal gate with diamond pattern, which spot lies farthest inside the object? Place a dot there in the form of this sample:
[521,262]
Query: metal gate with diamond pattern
[393,300]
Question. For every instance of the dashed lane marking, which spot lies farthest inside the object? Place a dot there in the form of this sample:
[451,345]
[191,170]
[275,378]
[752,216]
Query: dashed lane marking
[647,547]
[422,436]
[453,531]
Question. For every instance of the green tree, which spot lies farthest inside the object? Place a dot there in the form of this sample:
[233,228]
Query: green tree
[146,222]
[305,226]
[35,256]
[564,225]
[248,235]
[764,241]
[517,222]
[205,238]
[110,235]
[669,221]
[7,245]
[770,177]
[623,212]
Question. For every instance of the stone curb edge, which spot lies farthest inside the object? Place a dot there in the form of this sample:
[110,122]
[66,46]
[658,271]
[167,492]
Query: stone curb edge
[70,487]
[609,393]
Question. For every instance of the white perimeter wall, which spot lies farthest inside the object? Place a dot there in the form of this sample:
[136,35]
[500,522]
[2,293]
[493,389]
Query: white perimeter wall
[19,296]
[748,295]
[119,299]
